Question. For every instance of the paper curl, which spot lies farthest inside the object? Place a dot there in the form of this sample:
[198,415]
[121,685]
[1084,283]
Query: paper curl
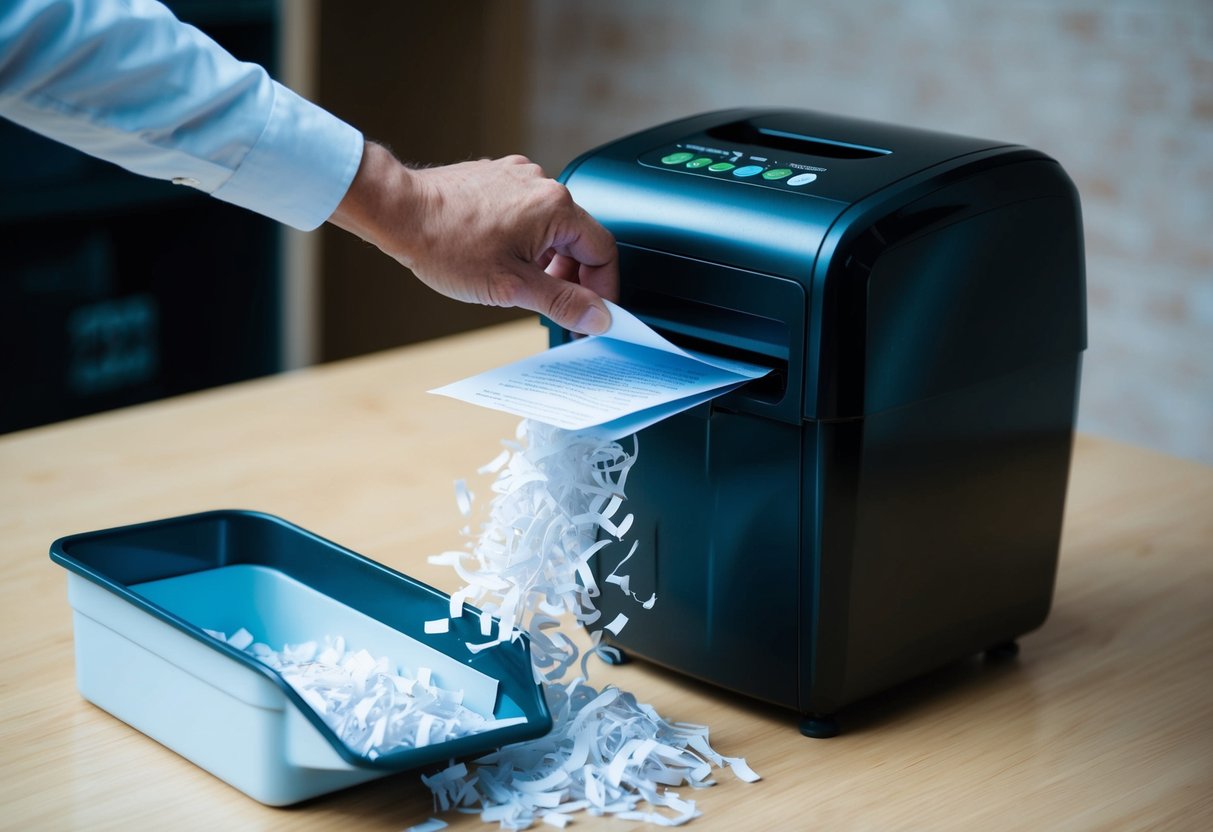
[556,499]
[556,493]
[370,706]
[606,754]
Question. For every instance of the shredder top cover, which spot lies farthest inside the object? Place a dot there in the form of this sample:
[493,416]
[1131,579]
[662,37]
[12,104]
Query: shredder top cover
[751,188]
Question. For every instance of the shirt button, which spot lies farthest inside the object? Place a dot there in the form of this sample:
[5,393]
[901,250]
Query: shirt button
[186,180]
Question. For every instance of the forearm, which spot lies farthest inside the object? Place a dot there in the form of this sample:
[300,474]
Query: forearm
[129,83]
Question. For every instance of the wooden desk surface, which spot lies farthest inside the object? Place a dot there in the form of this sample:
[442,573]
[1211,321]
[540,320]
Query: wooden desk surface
[1105,721]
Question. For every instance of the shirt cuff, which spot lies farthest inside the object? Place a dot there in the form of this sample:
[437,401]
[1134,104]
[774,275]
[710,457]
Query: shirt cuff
[301,166]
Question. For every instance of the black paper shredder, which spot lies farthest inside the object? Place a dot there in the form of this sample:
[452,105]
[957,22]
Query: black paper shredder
[889,499]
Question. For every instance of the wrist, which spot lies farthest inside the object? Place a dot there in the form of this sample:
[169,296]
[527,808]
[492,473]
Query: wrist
[381,205]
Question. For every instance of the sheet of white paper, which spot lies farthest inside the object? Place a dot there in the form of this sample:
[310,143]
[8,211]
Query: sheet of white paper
[615,383]
[628,328]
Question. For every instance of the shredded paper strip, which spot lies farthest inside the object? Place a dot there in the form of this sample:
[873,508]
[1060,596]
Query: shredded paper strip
[606,754]
[368,703]
[531,563]
[556,505]
[557,498]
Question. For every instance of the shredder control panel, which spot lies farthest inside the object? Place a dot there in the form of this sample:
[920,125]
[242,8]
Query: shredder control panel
[809,155]
[743,166]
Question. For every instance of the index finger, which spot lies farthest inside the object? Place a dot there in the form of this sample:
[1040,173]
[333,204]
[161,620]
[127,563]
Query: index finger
[593,248]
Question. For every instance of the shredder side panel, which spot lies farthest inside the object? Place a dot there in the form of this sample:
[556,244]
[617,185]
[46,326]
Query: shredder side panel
[944,541]
[973,272]
[956,334]
[716,497]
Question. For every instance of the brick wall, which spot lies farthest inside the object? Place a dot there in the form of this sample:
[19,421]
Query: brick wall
[1119,91]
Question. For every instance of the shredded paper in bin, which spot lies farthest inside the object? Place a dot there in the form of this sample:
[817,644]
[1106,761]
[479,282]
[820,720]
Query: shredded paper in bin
[372,707]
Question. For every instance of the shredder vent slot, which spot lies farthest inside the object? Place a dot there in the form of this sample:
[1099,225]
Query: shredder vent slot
[746,132]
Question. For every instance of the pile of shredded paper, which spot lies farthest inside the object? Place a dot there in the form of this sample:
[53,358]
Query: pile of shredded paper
[605,754]
[555,493]
[373,708]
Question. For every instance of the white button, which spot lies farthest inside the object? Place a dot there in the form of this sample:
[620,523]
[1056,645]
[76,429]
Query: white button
[802,179]
[186,180]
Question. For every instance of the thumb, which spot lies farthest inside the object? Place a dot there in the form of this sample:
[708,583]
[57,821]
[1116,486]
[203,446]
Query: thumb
[570,305]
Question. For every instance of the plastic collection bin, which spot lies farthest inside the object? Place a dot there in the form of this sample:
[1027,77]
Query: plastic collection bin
[143,595]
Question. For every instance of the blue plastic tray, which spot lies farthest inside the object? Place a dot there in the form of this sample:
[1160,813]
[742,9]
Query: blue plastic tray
[142,596]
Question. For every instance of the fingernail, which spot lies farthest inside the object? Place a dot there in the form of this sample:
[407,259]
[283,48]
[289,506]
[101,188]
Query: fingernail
[594,321]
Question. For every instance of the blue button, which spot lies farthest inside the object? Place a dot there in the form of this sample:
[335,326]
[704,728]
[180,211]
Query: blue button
[748,170]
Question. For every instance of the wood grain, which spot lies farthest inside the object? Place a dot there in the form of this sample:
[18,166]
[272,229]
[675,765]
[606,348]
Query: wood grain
[1104,722]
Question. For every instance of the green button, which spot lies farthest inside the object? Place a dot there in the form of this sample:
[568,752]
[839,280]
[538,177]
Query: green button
[776,173]
[676,158]
[721,167]
[700,162]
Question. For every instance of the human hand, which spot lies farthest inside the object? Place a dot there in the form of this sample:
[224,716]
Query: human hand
[497,232]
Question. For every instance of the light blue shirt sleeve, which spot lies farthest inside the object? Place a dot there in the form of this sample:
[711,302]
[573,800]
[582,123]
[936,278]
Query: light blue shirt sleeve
[125,81]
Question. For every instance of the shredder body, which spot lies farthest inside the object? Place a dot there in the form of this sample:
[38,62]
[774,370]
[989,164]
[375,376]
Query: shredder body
[889,499]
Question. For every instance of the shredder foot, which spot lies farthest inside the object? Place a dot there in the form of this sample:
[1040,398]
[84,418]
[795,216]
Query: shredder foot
[1002,652]
[609,658]
[819,726]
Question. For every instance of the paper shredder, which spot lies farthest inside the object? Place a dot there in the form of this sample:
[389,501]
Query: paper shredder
[889,499]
